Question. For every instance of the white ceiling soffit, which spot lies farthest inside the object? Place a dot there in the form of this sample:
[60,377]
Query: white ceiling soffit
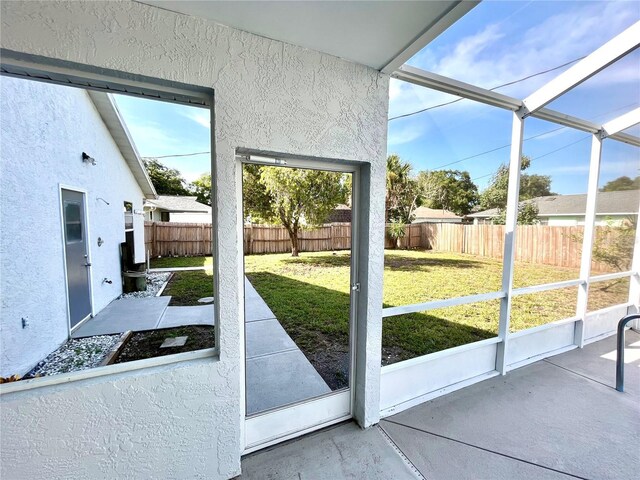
[380,34]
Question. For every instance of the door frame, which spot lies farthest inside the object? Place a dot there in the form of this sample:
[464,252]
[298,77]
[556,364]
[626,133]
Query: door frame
[87,237]
[266,420]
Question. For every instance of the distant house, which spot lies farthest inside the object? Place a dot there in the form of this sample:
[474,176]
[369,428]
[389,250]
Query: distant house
[612,208]
[341,214]
[168,208]
[434,215]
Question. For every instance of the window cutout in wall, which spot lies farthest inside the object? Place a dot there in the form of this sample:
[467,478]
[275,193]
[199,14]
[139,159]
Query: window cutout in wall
[105,291]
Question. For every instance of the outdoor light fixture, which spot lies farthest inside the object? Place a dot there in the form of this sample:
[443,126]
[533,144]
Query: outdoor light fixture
[86,158]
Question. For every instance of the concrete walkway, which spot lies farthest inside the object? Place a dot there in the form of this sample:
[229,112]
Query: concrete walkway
[277,371]
[559,418]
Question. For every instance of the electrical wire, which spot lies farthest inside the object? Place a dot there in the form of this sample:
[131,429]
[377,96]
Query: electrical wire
[582,139]
[491,89]
[624,107]
[179,155]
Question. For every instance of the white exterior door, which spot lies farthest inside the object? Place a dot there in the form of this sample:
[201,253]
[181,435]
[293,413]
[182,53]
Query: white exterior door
[77,256]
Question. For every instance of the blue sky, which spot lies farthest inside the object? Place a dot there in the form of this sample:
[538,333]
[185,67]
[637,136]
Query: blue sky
[161,128]
[497,42]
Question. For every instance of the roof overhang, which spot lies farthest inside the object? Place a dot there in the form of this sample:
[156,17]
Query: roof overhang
[165,208]
[380,35]
[114,122]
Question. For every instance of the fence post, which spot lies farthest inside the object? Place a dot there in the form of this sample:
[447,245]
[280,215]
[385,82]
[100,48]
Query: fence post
[331,238]
[154,244]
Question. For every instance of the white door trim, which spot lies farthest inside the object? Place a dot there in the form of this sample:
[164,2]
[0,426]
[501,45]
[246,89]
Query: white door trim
[290,421]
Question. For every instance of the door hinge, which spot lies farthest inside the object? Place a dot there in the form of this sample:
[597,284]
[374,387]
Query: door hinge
[355,287]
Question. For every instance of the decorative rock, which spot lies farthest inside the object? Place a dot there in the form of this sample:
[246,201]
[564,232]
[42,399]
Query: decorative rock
[174,342]
[206,300]
[154,284]
[76,354]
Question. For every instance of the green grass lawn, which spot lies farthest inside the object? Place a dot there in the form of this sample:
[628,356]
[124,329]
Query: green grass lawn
[310,297]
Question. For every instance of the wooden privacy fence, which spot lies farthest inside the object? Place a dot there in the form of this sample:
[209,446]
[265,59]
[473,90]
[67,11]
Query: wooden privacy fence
[193,239]
[537,244]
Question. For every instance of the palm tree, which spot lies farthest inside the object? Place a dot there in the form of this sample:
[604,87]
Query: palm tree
[402,196]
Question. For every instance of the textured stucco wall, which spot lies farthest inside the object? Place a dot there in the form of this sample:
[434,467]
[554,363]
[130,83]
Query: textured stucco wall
[269,96]
[44,129]
[120,423]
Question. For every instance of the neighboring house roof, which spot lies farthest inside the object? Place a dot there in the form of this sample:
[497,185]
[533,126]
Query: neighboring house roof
[341,214]
[425,212]
[108,110]
[607,203]
[178,204]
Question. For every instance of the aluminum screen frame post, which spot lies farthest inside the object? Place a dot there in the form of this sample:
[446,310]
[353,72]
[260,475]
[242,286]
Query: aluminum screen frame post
[598,60]
[588,237]
[634,280]
[515,163]
[622,122]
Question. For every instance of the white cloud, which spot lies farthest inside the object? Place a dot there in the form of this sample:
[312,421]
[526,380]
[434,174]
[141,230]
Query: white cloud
[200,116]
[490,57]
[150,138]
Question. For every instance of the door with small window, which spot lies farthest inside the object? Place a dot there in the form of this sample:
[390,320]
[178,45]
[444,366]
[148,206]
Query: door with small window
[76,255]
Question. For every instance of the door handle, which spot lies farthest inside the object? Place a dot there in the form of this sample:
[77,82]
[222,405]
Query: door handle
[88,264]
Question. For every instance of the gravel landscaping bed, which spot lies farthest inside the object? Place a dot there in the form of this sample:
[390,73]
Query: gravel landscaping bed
[155,281]
[76,354]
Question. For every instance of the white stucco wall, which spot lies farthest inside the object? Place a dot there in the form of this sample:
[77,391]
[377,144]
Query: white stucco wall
[123,426]
[269,96]
[44,130]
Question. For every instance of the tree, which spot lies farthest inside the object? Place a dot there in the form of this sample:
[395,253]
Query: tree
[292,197]
[403,195]
[622,183]
[452,190]
[613,244]
[397,231]
[531,186]
[202,188]
[527,215]
[167,181]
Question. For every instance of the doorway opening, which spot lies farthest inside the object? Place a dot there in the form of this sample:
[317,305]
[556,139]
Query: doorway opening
[300,286]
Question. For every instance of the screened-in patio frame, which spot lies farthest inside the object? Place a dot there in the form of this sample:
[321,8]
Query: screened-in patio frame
[416,380]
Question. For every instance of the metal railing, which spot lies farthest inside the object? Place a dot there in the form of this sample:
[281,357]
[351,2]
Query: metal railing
[620,356]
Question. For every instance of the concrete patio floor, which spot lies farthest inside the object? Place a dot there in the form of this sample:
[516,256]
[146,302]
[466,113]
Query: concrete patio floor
[559,418]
